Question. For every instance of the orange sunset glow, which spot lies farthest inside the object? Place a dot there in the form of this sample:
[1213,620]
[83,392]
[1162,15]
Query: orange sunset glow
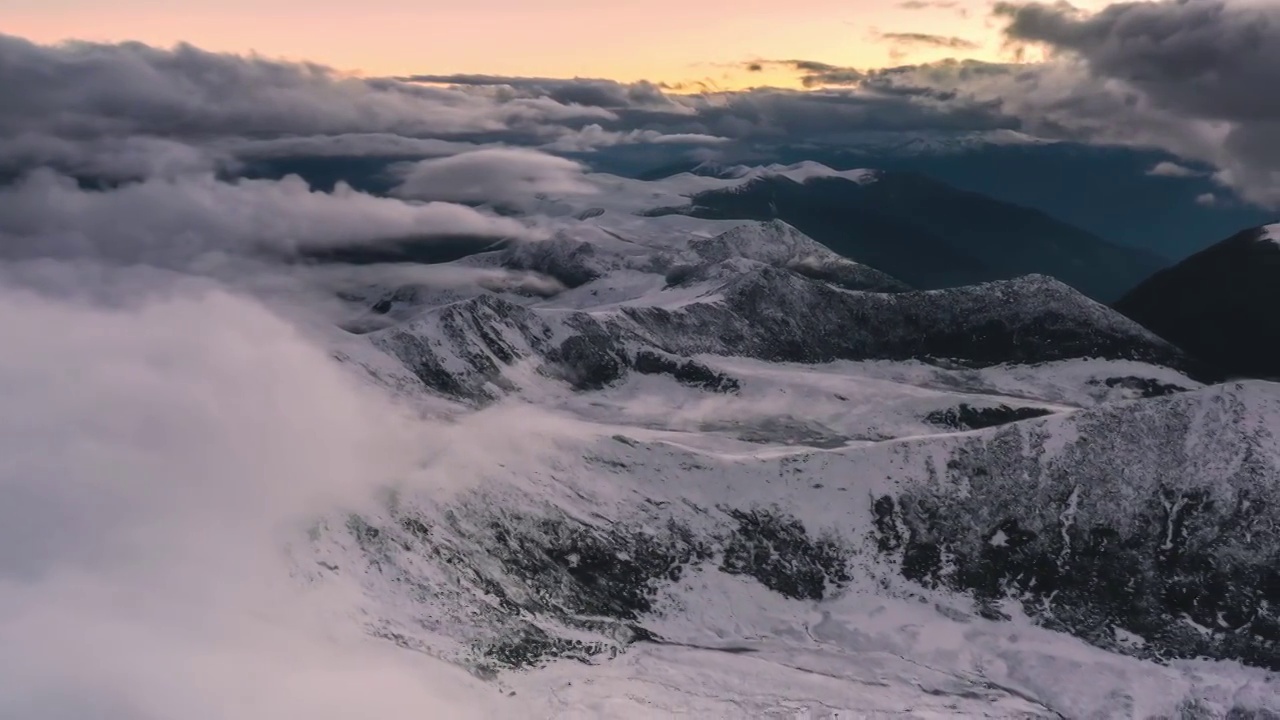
[666,40]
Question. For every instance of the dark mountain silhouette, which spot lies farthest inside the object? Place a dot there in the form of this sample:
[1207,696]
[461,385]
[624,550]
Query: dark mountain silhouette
[930,234]
[1220,305]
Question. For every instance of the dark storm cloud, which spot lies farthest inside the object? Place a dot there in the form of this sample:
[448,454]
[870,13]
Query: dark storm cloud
[1209,57]
[832,114]
[132,89]
[838,76]
[1196,77]
[588,92]
[1193,78]
[163,127]
[825,112]
[131,111]
[938,41]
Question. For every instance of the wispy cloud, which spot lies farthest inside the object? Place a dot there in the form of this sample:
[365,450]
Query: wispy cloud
[925,39]
[927,4]
[183,222]
[499,175]
[1173,170]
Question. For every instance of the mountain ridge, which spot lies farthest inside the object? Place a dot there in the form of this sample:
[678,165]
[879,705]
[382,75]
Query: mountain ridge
[927,233]
[1218,304]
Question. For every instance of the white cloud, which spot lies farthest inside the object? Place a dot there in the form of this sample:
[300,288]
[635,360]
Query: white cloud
[595,136]
[112,158]
[157,456]
[502,175]
[175,222]
[1173,170]
[85,89]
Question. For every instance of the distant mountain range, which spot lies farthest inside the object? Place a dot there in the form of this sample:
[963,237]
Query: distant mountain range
[1108,191]
[925,232]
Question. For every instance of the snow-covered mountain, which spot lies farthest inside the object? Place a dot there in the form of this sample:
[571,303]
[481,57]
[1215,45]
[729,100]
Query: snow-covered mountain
[759,290]
[1219,304]
[757,479]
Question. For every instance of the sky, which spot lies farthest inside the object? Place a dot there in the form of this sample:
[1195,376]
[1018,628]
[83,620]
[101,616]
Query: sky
[1191,78]
[672,41]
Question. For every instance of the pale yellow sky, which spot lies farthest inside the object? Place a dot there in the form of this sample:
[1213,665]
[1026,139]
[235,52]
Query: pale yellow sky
[662,40]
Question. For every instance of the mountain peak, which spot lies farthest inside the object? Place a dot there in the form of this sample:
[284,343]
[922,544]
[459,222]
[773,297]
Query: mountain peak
[1219,304]
[800,172]
[777,243]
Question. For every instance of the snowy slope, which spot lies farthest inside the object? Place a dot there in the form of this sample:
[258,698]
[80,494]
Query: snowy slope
[718,471]
[745,491]
[742,583]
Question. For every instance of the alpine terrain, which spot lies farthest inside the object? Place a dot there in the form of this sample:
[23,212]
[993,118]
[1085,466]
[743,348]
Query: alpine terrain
[756,477]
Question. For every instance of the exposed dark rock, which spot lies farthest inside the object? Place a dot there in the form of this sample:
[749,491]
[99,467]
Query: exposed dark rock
[431,250]
[572,262]
[688,372]
[1145,387]
[589,360]
[778,551]
[967,417]
[611,572]
[532,646]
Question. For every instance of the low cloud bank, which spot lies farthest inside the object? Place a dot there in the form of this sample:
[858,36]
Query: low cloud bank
[160,454]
